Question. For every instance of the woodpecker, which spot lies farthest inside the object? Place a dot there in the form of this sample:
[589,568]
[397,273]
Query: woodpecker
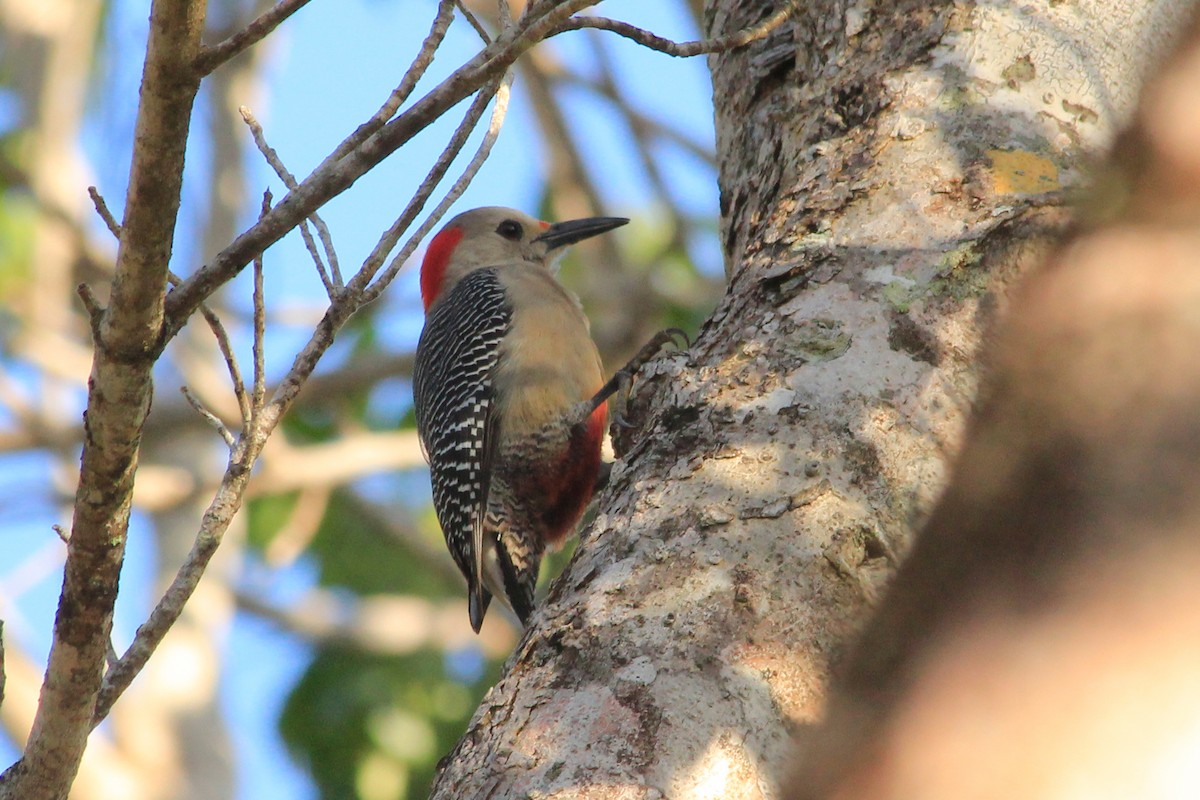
[510,397]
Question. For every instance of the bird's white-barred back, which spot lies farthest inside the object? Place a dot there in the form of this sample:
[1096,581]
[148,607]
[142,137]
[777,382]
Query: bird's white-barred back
[454,391]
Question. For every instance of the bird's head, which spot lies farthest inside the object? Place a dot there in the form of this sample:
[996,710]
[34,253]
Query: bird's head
[496,236]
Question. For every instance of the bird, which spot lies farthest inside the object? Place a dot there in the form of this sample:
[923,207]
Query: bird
[509,396]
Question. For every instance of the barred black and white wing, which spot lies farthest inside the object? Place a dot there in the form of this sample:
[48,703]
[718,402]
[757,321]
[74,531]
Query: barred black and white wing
[455,400]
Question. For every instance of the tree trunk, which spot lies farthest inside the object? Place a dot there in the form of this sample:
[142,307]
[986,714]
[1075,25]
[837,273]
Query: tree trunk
[1042,641]
[886,171]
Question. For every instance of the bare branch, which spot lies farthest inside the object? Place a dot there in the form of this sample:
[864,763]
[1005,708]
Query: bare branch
[331,278]
[682,49]
[485,148]
[217,517]
[114,227]
[416,70]
[355,297]
[226,348]
[392,235]
[225,503]
[131,336]
[330,179]
[210,58]
[209,417]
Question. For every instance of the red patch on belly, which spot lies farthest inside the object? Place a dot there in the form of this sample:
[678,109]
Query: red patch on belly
[574,478]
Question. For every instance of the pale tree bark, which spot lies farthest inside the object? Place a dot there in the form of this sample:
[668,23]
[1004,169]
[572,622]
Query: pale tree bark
[1043,641]
[45,48]
[887,171]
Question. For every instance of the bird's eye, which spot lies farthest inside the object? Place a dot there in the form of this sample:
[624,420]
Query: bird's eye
[511,229]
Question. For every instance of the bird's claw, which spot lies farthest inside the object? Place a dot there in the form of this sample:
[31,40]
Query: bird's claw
[620,420]
[671,334]
[623,378]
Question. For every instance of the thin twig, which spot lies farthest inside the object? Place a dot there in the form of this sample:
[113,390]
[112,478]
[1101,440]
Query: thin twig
[416,71]
[681,49]
[475,23]
[95,311]
[331,279]
[472,168]
[62,532]
[260,316]
[226,348]
[209,417]
[114,227]
[388,241]
[212,57]
[150,634]
[359,290]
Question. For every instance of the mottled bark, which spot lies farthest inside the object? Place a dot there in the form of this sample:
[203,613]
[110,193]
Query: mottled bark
[886,171]
[1043,641]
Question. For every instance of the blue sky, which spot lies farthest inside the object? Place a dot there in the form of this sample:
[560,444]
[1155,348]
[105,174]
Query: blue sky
[331,67]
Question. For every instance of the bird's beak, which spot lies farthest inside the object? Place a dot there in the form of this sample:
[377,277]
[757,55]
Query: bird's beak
[561,234]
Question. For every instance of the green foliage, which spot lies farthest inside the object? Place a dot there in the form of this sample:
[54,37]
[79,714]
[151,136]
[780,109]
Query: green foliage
[353,547]
[17,217]
[357,551]
[373,727]
[266,516]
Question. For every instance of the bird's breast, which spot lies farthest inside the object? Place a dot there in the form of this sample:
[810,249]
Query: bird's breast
[548,361]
